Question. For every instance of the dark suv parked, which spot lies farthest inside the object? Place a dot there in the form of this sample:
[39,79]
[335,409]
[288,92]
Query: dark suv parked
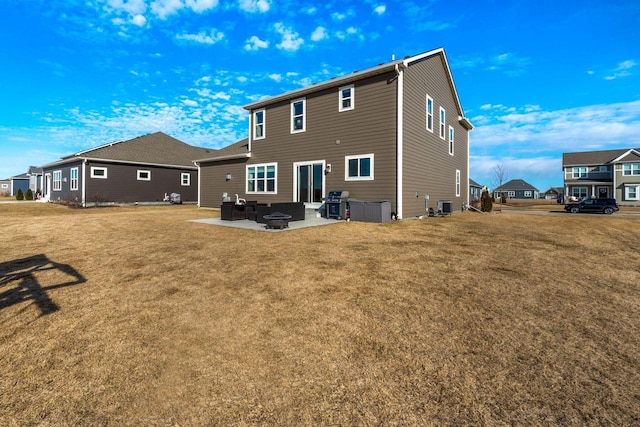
[605,206]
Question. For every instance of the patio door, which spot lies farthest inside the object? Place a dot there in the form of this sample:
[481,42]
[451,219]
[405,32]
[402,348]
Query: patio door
[309,182]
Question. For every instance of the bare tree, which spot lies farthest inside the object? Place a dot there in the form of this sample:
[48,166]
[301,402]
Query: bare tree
[500,176]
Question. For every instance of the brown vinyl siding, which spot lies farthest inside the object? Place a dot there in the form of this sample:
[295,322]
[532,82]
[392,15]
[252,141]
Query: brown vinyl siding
[428,166]
[369,128]
[213,182]
[122,184]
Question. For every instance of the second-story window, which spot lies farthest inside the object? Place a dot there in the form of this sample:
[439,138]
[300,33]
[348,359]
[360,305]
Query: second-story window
[429,113]
[451,140]
[258,124]
[347,98]
[629,169]
[579,171]
[443,117]
[298,119]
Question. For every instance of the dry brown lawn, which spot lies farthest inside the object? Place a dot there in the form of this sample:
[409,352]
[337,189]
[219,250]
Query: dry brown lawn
[135,316]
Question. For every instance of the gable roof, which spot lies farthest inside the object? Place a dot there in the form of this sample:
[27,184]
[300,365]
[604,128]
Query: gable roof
[237,150]
[602,157]
[516,184]
[472,183]
[369,72]
[152,149]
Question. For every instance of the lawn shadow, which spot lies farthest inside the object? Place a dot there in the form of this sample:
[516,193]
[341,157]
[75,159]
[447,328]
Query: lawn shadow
[20,276]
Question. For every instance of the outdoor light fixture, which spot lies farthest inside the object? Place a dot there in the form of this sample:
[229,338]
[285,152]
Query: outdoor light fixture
[227,177]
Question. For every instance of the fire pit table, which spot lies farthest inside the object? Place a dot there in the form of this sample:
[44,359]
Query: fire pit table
[277,220]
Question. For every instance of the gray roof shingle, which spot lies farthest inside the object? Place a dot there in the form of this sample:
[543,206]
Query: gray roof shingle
[593,157]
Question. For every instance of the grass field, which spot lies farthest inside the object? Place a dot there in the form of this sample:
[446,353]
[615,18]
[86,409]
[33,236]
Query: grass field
[136,316]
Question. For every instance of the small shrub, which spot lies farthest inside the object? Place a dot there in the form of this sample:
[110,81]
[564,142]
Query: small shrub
[19,194]
[486,201]
[28,195]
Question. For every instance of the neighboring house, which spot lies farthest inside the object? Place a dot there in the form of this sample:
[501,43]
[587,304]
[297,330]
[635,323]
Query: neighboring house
[5,187]
[553,193]
[394,132]
[475,190]
[516,189]
[142,169]
[608,173]
[35,179]
[19,182]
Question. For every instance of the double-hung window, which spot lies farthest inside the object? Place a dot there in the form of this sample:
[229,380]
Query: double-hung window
[259,124]
[457,183]
[74,179]
[443,117]
[632,192]
[262,178]
[579,192]
[185,179]
[580,172]
[144,175]
[429,113]
[57,180]
[629,169]
[451,140]
[298,115]
[347,98]
[359,168]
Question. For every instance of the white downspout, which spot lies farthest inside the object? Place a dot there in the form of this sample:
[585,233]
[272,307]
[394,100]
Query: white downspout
[84,183]
[400,138]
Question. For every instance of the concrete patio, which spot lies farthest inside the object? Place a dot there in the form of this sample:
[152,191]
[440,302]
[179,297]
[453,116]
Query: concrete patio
[312,219]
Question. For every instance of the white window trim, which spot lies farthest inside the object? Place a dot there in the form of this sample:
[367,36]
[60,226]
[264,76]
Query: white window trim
[55,181]
[96,168]
[263,124]
[429,115]
[182,179]
[528,193]
[458,183]
[631,170]
[443,120]
[304,115]
[451,140]
[275,178]
[511,194]
[73,184]
[358,178]
[626,191]
[579,170]
[352,105]
[141,171]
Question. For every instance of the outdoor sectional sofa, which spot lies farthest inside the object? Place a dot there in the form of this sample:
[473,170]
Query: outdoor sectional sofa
[254,211]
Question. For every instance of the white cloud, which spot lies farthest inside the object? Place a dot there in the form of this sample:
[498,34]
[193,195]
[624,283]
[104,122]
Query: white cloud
[275,77]
[190,103]
[164,8]
[622,70]
[380,9]
[200,6]
[254,43]
[202,37]
[320,33]
[132,7]
[139,20]
[253,6]
[291,41]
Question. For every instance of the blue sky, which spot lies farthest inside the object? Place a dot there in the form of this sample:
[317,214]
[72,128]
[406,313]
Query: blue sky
[536,78]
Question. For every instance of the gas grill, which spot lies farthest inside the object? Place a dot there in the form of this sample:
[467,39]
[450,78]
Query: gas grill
[337,205]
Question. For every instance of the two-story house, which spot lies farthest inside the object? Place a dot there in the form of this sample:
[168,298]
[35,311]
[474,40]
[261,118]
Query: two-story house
[394,132]
[607,173]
